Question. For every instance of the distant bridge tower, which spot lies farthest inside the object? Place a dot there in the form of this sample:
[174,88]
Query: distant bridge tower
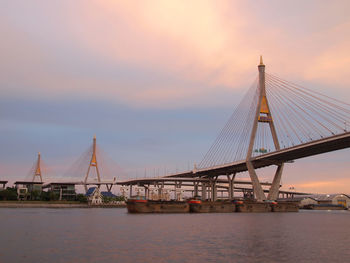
[37,170]
[93,164]
[263,115]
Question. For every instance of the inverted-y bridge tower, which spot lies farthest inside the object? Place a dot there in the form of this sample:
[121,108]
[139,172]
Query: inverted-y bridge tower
[263,115]
[37,170]
[93,164]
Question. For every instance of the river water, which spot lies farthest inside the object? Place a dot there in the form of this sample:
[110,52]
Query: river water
[113,235]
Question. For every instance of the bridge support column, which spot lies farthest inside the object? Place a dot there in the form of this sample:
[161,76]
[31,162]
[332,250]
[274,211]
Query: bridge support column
[109,187]
[160,192]
[231,186]
[204,191]
[146,192]
[258,191]
[195,189]
[130,193]
[213,189]
[213,192]
[274,189]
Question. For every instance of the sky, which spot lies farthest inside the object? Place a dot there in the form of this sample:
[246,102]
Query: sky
[157,80]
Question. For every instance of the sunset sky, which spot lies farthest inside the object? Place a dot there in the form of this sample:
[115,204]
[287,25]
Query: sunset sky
[157,80]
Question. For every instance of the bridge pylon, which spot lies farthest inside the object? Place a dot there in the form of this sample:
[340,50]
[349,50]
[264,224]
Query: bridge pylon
[37,170]
[263,115]
[93,164]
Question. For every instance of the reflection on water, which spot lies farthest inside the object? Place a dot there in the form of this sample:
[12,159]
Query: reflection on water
[112,235]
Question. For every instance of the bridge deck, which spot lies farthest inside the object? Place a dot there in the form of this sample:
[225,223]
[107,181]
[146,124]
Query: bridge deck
[336,142]
[146,181]
[222,183]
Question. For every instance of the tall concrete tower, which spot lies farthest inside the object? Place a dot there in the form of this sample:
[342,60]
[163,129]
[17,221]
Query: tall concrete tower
[37,171]
[93,164]
[263,115]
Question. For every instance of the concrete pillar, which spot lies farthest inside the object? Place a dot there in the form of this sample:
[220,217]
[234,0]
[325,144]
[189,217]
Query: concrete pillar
[257,188]
[146,192]
[210,191]
[204,191]
[215,192]
[229,190]
[231,186]
[213,189]
[160,192]
[195,188]
[274,189]
[130,193]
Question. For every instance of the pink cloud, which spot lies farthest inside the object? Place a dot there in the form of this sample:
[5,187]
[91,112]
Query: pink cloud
[211,46]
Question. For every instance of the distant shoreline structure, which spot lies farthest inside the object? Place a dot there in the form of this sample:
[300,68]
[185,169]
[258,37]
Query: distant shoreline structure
[40,204]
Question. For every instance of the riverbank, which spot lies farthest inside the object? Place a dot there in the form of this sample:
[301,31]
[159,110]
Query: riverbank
[40,204]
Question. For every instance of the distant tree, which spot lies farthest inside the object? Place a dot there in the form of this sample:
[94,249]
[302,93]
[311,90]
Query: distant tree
[120,198]
[9,193]
[35,195]
[45,196]
[53,196]
[106,199]
[81,198]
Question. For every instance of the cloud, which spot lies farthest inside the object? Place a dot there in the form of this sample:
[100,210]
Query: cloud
[162,53]
[327,187]
[331,65]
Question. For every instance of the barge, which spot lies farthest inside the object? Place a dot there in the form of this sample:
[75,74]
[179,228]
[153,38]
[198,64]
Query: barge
[151,206]
[198,206]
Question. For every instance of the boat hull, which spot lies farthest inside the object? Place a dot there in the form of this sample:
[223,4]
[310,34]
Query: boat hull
[212,207]
[158,207]
[148,206]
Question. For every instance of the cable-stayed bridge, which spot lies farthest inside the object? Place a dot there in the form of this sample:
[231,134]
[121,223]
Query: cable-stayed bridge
[276,122]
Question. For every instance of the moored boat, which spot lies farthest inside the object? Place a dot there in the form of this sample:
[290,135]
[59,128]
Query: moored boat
[198,206]
[141,205]
[152,206]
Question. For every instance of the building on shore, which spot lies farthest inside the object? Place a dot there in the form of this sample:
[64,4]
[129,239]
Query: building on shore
[64,190]
[342,199]
[325,200]
[94,196]
[307,201]
[97,197]
[25,189]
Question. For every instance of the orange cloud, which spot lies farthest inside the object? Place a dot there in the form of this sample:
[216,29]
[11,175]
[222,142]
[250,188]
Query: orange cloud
[340,185]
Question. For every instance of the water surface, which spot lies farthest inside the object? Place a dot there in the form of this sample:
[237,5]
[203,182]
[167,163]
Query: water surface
[113,235]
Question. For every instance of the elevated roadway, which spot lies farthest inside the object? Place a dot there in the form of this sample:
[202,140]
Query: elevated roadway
[329,144]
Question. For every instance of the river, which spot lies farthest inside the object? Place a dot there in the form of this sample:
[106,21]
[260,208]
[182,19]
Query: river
[113,235]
